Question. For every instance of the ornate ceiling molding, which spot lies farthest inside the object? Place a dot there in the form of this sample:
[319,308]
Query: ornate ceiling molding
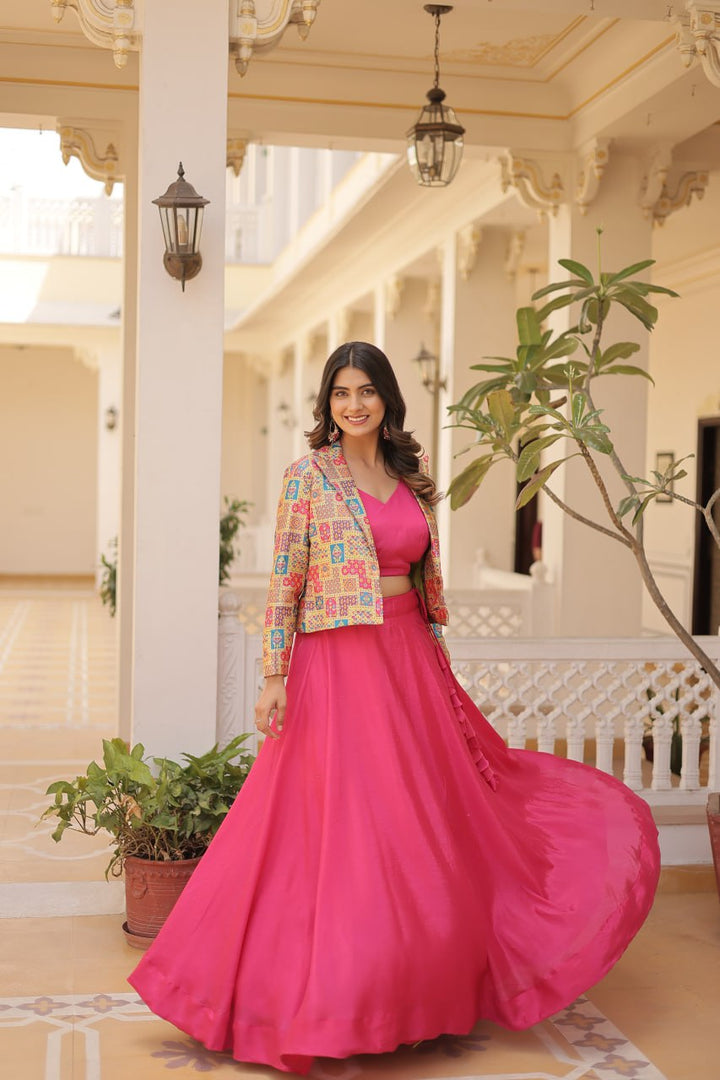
[252,32]
[525,175]
[78,142]
[594,160]
[698,36]
[111,24]
[468,246]
[253,27]
[236,150]
[663,192]
[433,296]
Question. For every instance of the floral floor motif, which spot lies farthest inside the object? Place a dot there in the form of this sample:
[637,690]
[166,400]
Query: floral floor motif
[74,1036]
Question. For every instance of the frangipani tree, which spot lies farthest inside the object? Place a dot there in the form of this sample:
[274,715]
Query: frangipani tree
[539,405]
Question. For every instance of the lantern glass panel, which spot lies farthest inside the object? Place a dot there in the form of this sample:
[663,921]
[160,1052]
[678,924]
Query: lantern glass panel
[197,221]
[164,216]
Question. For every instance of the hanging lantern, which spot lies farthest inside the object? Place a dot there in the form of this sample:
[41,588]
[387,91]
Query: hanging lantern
[181,214]
[435,142]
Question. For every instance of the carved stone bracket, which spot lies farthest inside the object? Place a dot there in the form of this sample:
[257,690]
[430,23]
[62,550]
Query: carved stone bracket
[79,143]
[662,191]
[525,175]
[468,246]
[594,159]
[431,307]
[236,150]
[515,250]
[393,294]
[698,36]
[111,24]
[251,32]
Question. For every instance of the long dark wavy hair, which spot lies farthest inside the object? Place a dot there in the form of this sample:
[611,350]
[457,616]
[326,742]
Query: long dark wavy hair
[401,451]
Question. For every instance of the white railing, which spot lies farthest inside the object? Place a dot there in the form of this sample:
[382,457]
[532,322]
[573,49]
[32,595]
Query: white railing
[75,226]
[591,699]
[601,696]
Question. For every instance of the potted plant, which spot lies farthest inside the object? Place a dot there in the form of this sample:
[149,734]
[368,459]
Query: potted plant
[159,821]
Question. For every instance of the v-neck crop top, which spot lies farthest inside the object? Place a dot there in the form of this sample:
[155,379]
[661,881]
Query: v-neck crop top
[399,530]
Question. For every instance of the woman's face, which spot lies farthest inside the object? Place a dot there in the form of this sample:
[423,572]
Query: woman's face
[355,405]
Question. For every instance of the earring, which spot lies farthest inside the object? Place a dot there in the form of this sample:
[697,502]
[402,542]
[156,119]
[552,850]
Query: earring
[333,433]
[386,432]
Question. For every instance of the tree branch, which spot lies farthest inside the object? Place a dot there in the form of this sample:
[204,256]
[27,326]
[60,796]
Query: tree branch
[585,521]
[599,483]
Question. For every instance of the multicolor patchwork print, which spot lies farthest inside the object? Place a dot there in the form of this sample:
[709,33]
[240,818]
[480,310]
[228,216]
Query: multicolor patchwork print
[325,567]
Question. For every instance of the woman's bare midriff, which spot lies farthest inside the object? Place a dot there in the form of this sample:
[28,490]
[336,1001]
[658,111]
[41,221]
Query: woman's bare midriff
[395,585]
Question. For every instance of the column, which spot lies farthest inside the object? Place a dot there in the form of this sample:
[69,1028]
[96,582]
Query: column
[179,384]
[598,584]
[126,536]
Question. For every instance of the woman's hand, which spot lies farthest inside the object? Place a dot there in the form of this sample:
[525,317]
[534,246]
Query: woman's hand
[273,700]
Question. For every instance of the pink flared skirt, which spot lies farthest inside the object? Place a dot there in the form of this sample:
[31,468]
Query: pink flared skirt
[390,871]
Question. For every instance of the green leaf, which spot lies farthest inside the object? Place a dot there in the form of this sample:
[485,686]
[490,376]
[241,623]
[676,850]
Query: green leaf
[646,313]
[554,305]
[528,326]
[547,289]
[627,369]
[629,271]
[507,365]
[502,410]
[464,486]
[530,455]
[533,486]
[642,507]
[626,505]
[578,269]
[621,350]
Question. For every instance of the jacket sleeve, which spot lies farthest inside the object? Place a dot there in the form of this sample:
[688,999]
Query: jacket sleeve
[288,575]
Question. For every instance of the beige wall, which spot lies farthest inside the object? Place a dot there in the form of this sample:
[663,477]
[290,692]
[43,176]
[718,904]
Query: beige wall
[685,363]
[48,450]
[245,435]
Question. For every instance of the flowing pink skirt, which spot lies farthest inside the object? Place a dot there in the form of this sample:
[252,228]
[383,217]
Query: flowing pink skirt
[372,885]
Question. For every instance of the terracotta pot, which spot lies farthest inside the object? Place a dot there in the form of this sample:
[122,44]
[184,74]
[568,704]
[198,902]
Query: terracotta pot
[151,889]
[713,820]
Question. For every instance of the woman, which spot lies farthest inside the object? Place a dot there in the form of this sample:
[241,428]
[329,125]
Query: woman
[390,870]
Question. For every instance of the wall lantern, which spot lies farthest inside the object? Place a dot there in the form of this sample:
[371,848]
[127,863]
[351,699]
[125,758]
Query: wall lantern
[429,366]
[435,142]
[181,214]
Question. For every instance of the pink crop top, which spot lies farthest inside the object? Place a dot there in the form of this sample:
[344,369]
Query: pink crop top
[399,530]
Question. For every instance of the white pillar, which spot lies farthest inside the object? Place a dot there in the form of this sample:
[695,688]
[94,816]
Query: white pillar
[109,452]
[599,587]
[126,536]
[300,351]
[179,383]
[442,468]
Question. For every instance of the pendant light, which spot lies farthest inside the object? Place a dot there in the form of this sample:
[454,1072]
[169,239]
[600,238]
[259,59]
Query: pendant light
[435,142]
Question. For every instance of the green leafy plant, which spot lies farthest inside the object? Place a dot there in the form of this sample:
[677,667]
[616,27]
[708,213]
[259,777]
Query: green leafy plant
[540,401]
[108,581]
[230,522]
[171,812]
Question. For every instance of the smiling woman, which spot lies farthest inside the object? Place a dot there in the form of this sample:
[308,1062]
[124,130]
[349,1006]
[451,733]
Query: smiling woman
[385,826]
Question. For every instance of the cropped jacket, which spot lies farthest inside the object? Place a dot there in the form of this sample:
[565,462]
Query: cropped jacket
[325,568]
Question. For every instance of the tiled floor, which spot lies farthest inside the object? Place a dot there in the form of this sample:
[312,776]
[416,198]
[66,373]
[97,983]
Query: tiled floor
[67,1013]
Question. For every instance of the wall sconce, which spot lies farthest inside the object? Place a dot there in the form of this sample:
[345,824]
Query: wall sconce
[429,366]
[111,418]
[435,142]
[181,214]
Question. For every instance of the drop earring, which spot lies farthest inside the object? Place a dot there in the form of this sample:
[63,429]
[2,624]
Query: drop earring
[333,433]
[386,432]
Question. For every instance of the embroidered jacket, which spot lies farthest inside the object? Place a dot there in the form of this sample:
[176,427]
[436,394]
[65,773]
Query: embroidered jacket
[325,567]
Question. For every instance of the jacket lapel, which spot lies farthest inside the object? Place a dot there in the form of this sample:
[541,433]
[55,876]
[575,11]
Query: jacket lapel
[334,468]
